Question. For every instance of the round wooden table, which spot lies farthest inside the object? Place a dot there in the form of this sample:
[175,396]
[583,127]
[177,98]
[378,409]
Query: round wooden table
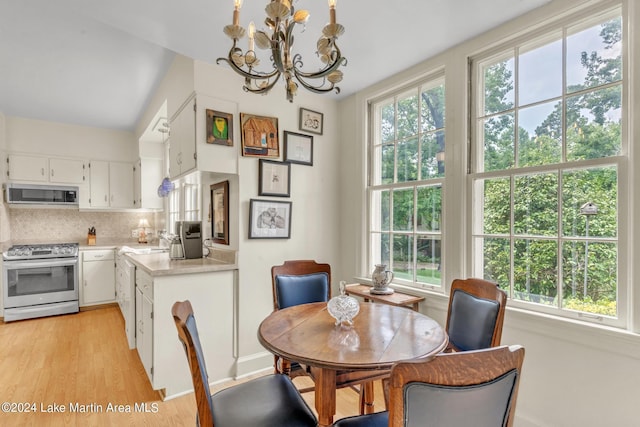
[380,336]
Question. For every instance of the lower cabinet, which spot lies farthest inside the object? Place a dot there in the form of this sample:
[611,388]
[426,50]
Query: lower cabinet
[161,353]
[98,277]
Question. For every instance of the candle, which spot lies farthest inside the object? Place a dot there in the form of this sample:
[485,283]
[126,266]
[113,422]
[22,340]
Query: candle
[332,11]
[252,31]
[236,12]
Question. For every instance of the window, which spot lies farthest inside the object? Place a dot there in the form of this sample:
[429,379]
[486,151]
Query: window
[184,204]
[549,145]
[407,177]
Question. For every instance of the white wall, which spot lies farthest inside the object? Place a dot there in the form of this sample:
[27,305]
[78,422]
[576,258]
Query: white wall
[575,374]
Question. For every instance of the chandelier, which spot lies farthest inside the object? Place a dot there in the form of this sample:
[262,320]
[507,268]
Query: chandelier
[281,20]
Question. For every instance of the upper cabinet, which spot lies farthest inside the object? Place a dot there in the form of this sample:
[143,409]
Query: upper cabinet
[44,169]
[182,139]
[188,146]
[111,185]
[147,175]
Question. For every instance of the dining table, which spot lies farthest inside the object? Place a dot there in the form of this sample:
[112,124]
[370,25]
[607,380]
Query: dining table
[380,336]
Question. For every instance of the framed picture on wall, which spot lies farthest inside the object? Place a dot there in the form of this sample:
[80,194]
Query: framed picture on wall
[311,121]
[298,148]
[259,136]
[274,178]
[220,212]
[269,219]
[219,128]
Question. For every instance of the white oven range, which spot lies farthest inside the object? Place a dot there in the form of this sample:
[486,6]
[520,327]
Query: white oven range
[40,280]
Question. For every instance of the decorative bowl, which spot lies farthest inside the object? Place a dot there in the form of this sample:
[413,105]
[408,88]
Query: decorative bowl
[343,308]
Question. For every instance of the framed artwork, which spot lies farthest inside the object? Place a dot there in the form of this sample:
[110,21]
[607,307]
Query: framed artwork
[274,178]
[298,148]
[220,212]
[269,219]
[259,136]
[219,128]
[311,121]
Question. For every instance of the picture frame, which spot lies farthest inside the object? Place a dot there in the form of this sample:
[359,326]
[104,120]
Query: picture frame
[219,128]
[269,219]
[220,212]
[311,121]
[298,148]
[259,136]
[274,178]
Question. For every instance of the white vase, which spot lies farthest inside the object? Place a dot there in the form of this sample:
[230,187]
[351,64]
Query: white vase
[381,277]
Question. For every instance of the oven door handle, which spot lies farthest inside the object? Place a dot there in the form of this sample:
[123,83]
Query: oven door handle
[40,263]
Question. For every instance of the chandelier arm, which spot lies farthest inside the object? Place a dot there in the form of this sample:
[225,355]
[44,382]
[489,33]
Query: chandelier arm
[340,60]
[263,89]
[318,89]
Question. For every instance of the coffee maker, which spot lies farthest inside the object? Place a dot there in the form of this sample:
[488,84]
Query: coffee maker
[190,233]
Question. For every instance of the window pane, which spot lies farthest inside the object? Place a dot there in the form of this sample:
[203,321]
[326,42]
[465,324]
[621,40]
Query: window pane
[380,210]
[592,289]
[403,210]
[540,134]
[497,261]
[408,160]
[432,157]
[594,56]
[540,73]
[536,205]
[594,123]
[535,264]
[408,116]
[387,163]
[403,257]
[498,87]
[387,123]
[598,186]
[429,208]
[380,249]
[497,206]
[428,267]
[498,142]
[432,108]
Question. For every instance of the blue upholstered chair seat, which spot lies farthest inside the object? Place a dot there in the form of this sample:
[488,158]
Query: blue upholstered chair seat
[379,419]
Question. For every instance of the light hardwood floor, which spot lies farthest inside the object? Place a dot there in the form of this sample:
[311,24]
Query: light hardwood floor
[81,363]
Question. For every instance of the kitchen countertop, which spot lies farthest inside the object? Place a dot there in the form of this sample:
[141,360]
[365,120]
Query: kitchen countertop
[159,264]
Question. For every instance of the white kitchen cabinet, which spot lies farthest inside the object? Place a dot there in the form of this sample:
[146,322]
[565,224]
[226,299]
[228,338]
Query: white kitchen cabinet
[144,321]
[53,170]
[111,184]
[147,176]
[66,171]
[182,139]
[98,277]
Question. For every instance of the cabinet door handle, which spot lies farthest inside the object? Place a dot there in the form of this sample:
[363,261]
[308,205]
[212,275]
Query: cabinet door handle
[42,171]
[52,172]
[85,283]
[105,198]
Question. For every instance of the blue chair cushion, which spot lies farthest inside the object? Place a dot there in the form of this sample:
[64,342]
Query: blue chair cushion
[482,405]
[472,321]
[270,401]
[302,289]
[379,419]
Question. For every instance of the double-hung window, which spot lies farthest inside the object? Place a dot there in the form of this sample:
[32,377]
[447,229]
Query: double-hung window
[406,183]
[184,204]
[548,169]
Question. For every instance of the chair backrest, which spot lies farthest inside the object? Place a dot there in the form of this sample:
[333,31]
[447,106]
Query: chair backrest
[188,334]
[475,315]
[474,388]
[300,282]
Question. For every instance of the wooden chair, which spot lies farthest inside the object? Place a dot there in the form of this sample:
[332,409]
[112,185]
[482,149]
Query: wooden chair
[473,388]
[270,401]
[298,282]
[475,315]
[306,281]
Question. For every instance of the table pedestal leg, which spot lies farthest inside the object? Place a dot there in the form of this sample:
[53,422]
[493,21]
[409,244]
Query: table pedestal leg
[325,393]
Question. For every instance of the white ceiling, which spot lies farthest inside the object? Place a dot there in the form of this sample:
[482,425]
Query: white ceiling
[97,63]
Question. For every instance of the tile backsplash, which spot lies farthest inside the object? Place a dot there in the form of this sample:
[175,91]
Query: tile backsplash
[70,225]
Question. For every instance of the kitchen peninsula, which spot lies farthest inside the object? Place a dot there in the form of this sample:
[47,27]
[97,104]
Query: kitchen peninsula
[209,283]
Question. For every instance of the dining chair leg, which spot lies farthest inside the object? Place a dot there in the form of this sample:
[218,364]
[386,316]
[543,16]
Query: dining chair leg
[385,392]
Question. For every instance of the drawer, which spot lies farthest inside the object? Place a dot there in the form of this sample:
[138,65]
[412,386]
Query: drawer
[144,283]
[98,255]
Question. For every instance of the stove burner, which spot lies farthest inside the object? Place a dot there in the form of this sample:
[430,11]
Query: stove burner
[58,250]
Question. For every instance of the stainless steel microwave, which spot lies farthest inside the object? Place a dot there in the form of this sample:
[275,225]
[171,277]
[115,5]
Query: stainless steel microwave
[41,194]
